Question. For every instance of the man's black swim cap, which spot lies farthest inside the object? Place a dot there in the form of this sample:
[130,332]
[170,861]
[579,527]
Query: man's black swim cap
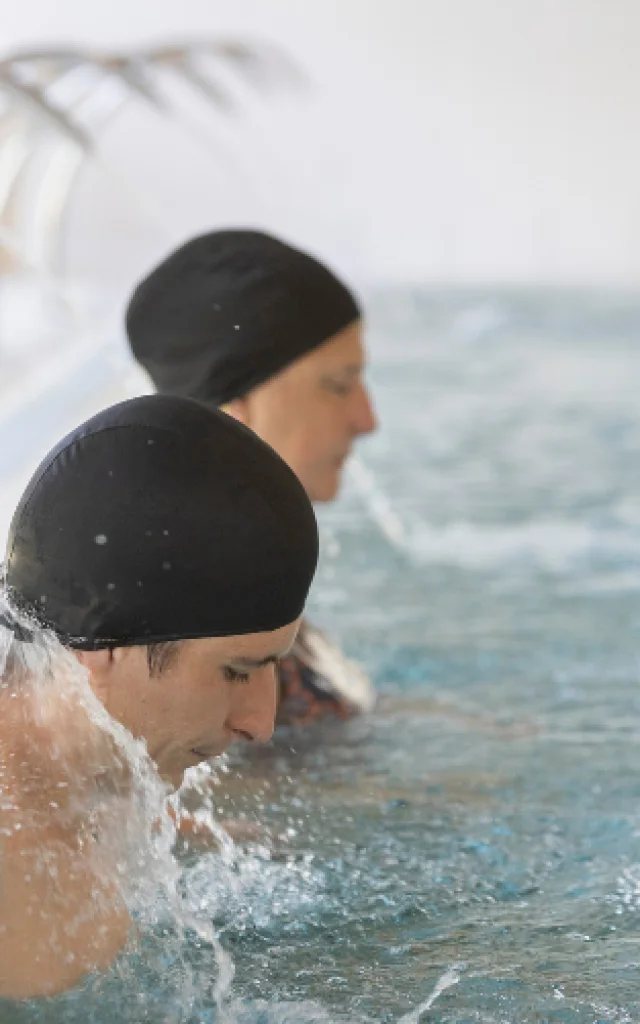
[227,310]
[160,519]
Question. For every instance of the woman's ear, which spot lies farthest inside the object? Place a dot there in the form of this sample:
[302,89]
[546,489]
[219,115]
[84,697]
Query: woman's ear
[239,408]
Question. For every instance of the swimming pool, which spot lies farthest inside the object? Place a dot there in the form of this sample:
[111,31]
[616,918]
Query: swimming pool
[480,833]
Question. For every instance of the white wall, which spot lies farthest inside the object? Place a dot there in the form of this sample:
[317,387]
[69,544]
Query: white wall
[444,140]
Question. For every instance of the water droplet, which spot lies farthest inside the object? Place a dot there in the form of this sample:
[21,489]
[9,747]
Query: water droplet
[165,533]
[166,565]
[138,583]
[111,586]
[236,327]
[217,307]
[150,440]
[100,538]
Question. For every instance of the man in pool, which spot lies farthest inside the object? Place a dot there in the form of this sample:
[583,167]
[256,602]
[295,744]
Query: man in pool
[242,321]
[171,551]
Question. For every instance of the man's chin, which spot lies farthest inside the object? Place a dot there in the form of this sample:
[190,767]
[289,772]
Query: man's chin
[208,753]
[327,490]
[174,774]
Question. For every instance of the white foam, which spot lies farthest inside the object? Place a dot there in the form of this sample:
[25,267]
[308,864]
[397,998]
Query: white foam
[552,545]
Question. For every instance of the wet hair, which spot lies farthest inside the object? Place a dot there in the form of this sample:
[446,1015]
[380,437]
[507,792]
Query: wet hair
[227,310]
[161,655]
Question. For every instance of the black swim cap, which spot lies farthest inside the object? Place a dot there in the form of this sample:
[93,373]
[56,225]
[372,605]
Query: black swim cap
[229,309]
[160,519]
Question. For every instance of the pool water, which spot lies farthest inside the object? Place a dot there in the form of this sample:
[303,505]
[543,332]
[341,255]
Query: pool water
[473,848]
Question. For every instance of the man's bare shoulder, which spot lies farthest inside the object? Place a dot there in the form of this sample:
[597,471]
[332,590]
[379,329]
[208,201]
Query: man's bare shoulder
[59,919]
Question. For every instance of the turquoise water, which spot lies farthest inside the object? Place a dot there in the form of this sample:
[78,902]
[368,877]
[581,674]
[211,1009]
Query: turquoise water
[484,564]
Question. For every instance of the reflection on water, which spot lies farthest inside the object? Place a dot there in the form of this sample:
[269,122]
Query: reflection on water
[484,823]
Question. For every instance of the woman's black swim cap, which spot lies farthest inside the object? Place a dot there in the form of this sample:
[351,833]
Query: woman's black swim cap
[228,310]
[160,519]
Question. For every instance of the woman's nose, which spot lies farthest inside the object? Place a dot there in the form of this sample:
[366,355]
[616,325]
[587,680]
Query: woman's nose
[364,418]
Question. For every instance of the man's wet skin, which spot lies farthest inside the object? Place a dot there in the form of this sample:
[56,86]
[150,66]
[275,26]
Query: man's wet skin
[166,621]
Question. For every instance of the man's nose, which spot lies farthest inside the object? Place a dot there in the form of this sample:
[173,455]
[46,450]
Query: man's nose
[364,417]
[254,706]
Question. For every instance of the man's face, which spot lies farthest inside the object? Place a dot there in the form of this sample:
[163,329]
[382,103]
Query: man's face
[313,410]
[209,693]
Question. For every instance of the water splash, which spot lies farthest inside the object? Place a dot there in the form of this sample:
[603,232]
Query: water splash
[450,978]
[552,545]
[107,798]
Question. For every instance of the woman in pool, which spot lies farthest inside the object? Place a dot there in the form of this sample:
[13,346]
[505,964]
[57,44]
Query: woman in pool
[242,321]
[169,551]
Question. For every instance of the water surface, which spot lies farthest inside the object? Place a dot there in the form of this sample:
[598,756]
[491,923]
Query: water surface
[484,564]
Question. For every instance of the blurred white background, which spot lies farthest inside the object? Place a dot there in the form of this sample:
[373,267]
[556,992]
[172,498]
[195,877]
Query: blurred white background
[439,142]
[443,141]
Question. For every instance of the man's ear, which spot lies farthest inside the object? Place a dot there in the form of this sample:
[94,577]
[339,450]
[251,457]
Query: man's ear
[239,408]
